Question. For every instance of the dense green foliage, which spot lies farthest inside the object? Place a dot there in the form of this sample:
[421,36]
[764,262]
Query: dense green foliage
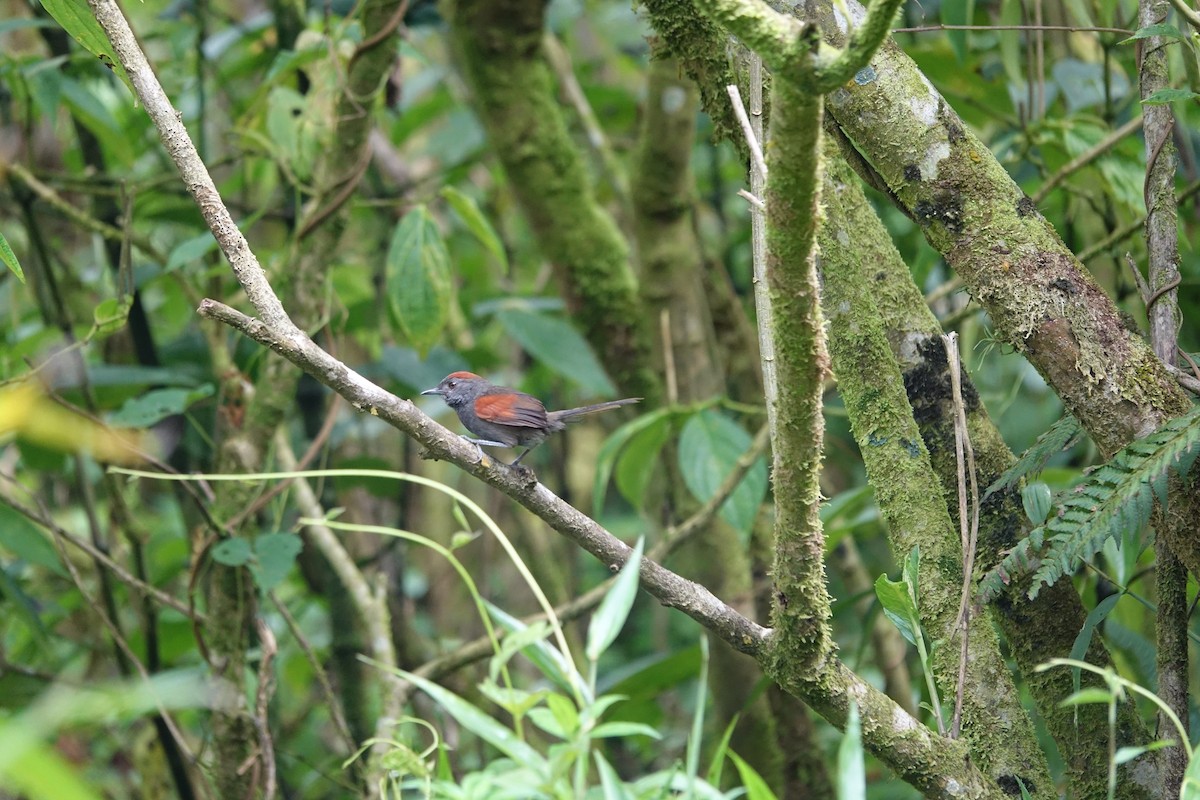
[402,248]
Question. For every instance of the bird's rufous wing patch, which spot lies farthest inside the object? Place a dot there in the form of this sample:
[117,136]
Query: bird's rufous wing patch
[520,410]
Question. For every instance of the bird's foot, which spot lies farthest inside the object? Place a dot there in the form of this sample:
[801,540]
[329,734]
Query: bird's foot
[526,474]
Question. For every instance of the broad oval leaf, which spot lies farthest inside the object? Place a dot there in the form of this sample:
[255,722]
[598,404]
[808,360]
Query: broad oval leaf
[1036,498]
[709,447]
[156,405]
[232,552]
[898,606]
[612,446]
[554,342]
[418,279]
[110,315]
[639,461]
[274,554]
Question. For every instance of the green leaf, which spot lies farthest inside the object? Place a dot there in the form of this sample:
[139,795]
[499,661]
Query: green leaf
[232,552]
[961,12]
[86,107]
[554,342]
[479,723]
[1126,754]
[607,456]
[549,660]
[1061,436]
[418,279]
[1164,29]
[614,608]
[1093,694]
[22,606]
[274,555]
[1084,639]
[476,223]
[638,462]
[27,541]
[1036,499]
[756,787]
[611,785]
[284,107]
[709,447]
[78,22]
[613,730]
[851,775]
[517,702]
[544,718]
[156,405]
[898,606]
[190,250]
[41,773]
[1164,96]
[110,315]
[912,565]
[564,711]
[1191,778]
[10,259]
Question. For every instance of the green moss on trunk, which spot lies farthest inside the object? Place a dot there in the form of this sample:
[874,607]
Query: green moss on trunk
[1036,632]
[909,496]
[499,44]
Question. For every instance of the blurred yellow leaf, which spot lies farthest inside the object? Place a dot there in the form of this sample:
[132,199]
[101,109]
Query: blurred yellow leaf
[27,413]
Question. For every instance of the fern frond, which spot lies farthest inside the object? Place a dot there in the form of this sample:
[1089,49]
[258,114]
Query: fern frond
[1022,559]
[1117,496]
[1061,435]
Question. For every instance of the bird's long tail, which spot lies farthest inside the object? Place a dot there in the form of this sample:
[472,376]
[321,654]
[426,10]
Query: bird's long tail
[571,413]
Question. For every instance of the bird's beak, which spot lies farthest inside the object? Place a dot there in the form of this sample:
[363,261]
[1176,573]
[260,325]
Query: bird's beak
[434,390]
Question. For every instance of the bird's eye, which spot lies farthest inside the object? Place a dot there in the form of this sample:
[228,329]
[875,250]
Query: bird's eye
[451,384]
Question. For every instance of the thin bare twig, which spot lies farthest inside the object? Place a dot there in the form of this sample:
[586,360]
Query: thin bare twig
[332,702]
[80,217]
[668,350]
[671,589]
[266,687]
[1063,28]
[122,574]
[1187,12]
[111,626]
[752,138]
[1083,159]
[968,526]
[370,605]
[1132,227]
[1185,379]
[752,200]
